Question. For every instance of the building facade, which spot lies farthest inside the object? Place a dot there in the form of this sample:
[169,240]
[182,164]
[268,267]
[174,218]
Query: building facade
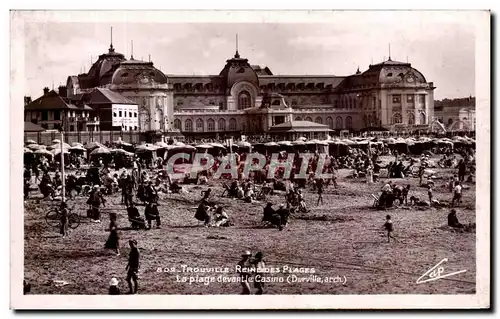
[456,114]
[250,99]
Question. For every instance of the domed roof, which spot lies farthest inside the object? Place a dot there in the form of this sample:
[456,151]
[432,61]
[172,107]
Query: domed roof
[236,70]
[388,73]
[136,72]
[393,72]
[102,70]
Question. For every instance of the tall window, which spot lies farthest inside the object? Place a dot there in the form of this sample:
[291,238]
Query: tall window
[177,124]
[423,118]
[450,121]
[411,119]
[409,98]
[396,118]
[57,115]
[336,104]
[232,125]
[319,120]
[348,122]
[45,116]
[199,125]
[188,125]
[309,119]
[338,123]
[329,122]
[221,125]
[210,125]
[244,100]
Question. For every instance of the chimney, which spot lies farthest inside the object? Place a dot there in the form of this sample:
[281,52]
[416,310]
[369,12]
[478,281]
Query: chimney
[63,92]
[45,90]
[27,100]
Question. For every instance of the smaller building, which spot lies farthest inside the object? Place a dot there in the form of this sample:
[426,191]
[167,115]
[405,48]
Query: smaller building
[52,112]
[456,114]
[292,130]
[114,111]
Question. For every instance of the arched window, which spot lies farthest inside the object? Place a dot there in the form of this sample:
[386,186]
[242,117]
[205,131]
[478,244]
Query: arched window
[232,125]
[309,119]
[329,122]
[199,125]
[338,123]
[177,124]
[396,118]
[348,123]
[423,118]
[188,125]
[319,120]
[221,125]
[298,118]
[244,100]
[450,121]
[210,125]
[411,119]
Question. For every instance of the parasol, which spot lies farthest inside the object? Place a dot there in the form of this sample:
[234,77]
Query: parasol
[204,146]
[35,147]
[244,144]
[56,141]
[28,142]
[271,144]
[93,145]
[285,143]
[43,151]
[57,151]
[121,151]
[100,151]
[27,150]
[218,145]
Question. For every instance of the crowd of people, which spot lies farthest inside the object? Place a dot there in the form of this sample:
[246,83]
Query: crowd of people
[142,184]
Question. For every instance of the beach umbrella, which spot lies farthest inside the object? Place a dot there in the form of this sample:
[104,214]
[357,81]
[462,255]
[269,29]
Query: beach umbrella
[58,145]
[57,151]
[301,138]
[34,147]
[299,142]
[28,142]
[56,141]
[184,147]
[204,146]
[27,150]
[43,151]
[100,151]
[161,144]
[120,151]
[76,144]
[218,145]
[179,144]
[77,148]
[243,144]
[93,145]
[271,144]
[285,143]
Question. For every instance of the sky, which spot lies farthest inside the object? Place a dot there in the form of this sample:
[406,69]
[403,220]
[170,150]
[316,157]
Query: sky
[443,50]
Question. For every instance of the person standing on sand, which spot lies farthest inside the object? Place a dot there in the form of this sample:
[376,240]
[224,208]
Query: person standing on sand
[244,271]
[260,269]
[113,241]
[389,228]
[132,266]
[64,219]
[319,186]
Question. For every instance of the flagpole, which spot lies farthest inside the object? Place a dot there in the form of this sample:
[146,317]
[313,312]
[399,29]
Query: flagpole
[62,168]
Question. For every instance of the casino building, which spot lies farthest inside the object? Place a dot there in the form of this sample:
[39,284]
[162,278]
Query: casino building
[250,99]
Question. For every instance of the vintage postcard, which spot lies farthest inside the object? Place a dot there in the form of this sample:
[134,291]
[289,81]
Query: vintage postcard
[198,159]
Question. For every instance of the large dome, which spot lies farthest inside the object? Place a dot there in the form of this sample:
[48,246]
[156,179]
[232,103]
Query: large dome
[236,70]
[136,72]
[103,69]
[389,73]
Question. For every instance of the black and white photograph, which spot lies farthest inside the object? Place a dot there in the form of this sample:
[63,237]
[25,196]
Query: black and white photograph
[320,154]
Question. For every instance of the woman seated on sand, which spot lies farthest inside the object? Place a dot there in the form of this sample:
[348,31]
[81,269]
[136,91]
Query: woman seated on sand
[202,213]
[221,218]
